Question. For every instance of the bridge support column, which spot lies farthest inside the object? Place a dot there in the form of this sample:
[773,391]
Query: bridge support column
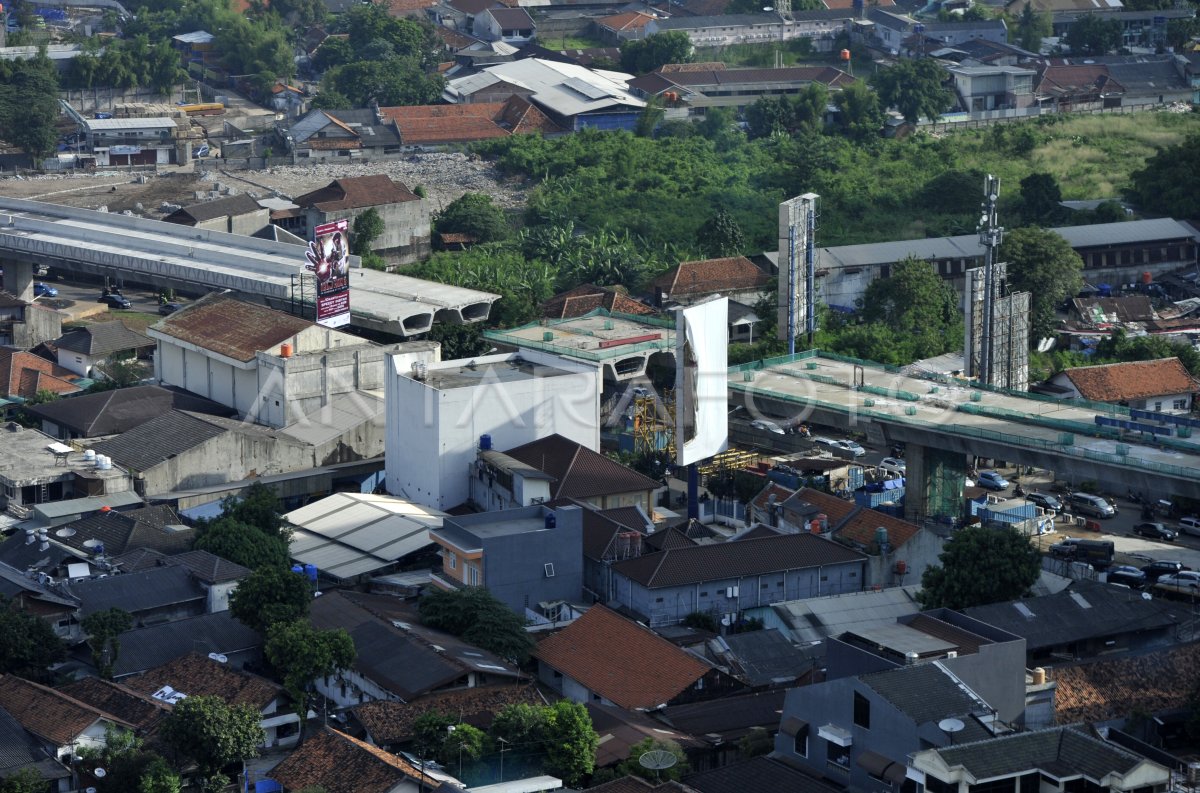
[18,279]
[933,485]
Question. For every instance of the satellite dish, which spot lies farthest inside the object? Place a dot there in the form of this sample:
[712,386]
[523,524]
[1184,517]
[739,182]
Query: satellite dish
[1147,596]
[657,759]
[951,725]
[99,773]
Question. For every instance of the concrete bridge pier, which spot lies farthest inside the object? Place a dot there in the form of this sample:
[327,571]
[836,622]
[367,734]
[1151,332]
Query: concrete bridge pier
[933,483]
[18,279]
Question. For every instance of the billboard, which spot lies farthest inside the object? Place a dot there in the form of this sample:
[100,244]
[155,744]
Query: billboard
[701,380]
[329,259]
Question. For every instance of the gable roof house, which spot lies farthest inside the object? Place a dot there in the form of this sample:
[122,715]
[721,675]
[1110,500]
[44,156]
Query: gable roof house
[690,92]
[62,723]
[324,134]
[389,723]
[23,374]
[237,214]
[603,657]
[406,216]
[724,579]
[398,659]
[433,127]
[193,674]
[160,594]
[735,277]
[714,29]
[143,713]
[510,25]
[218,576]
[117,410]
[572,96]
[1078,86]
[339,763]
[23,750]
[218,633]
[625,26]
[81,349]
[721,723]
[1161,386]
[1062,756]
[586,298]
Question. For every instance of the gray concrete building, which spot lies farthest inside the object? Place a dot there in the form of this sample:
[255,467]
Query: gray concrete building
[26,324]
[238,214]
[406,216]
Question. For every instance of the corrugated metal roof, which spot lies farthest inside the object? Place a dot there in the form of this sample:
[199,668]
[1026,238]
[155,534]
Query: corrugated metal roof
[107,124]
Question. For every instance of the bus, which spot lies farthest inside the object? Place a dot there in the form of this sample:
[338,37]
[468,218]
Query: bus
[203,109]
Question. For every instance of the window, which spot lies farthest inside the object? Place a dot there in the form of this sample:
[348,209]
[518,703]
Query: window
[703,594]
[452,558]
[854,575]
[862,711]
[658,600]
[800,742]
[1158,407]
[838,756]
[1179,404]
[549,568]
[473,573]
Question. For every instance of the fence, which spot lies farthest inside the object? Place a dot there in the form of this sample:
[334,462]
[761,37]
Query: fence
[89,100]
[1026,114]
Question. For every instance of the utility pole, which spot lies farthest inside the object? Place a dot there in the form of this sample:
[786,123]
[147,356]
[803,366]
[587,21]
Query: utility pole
[991,234]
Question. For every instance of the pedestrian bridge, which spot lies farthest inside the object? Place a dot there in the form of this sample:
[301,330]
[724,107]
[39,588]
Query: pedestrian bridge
[170,256]
[948,419]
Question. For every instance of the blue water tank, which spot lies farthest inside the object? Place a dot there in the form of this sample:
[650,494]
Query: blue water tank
[551,521]
[298,569]
[485,443]
[310,570]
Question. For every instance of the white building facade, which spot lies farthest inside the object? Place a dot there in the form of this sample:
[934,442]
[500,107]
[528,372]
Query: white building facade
[439,413]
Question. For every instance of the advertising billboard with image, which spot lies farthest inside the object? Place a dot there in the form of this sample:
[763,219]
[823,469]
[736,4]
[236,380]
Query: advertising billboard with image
[701,381]
[329,260]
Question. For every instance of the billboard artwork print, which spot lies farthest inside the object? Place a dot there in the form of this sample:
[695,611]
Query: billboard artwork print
[329,260]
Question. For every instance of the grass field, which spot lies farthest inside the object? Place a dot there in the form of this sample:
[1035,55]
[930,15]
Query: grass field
[570,43]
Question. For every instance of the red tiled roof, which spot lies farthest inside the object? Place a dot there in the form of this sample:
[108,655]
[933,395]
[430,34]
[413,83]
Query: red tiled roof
[342,764]
[860,530]
[196,675]
[578,471]
[49,714]
[780,492]
[1103,690]
[136,709]
[23,374]
[231,327]
[836,508]
[429,124]
[743,558]
[703,66]
[333,144]
[1077,79]
[589,297]
[400,8]
[521,117]
[711,275]
[620,660]
[454,39]
[630,20]
[1119,382]
[354,192]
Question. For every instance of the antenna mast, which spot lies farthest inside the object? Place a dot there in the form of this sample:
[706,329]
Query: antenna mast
[991,234]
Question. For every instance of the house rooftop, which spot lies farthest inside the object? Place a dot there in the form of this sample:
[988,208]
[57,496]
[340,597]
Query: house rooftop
[159,439]
[597,336]
[207,567]
[757,774]
[357,192]
[577,471]
[119,409]
[51,715]
[1059,752]
[101,339]
[240,204]
[711,275]
[1122,382]
[1110,688]
[147,648]
[611,656]
[487,369]
[26,459]
[157,587]
[927,693]
[194,675]
[389,722]
[139,710]
[233,328]
[815,619]
[342,764]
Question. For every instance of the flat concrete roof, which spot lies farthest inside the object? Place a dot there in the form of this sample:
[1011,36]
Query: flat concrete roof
[25,459]
[903,639]
[486,370]
[593,337]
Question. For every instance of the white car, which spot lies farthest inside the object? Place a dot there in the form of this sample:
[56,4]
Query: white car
[893,465]
[767,426]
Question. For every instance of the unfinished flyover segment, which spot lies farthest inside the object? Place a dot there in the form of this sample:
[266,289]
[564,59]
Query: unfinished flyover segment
[942,422]
[169,256]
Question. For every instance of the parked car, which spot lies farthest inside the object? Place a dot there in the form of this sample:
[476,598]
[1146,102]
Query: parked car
[767,426]
[1045,501]
[1128,575]
[201,151]
[992,480]
[1155,531]
[44,290]
[1190,525]
[840,445]
[893,465]
[1161,567]
[1087,504]
[115,301]
[1185,581]
[169,308]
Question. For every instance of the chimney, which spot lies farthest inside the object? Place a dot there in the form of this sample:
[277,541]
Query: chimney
[30,535]
[45,538]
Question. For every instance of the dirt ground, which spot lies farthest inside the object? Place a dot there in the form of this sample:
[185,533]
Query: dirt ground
[445,177]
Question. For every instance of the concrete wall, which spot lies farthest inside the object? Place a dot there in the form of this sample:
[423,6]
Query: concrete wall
[245,224]
[294,387]
[669,605]
[228,457]
[513,565]
[41,324]
[406,227]
[918,553]
[433,435]
[77,362]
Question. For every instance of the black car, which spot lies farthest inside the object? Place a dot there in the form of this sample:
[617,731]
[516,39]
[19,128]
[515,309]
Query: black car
[115,301]
[1127,575]
[1046,502]
[1162,567]
[1155,531]
[169,308]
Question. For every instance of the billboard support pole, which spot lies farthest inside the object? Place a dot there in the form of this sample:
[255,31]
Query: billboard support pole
[693,492]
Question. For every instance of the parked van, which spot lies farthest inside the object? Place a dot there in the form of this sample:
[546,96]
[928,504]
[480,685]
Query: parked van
[1087,504]
[1190,525]
[1098,553]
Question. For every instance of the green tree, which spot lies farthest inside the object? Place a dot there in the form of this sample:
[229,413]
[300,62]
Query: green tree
[429,732]
[29,104]
[640,56]
[474,214]
[632,767]
[650,117]
[1032,26]
[475,615]
[756,743]
[519,723]
[118,372]
[459,341]
[570,742]
[301,654]
[919,305]
[27,644]
[721,235]
[269,595]
[129,766]
[858,116]
[462,743]
[1093,35]
[392,82]
[915,88]
[1120,347]
[1045,265]
[241,543]
[1157,187]
[811,105]
[1040,197]
[24,781]
[213,733]
[980,566]
[769,115]
[368,227]
[104,629]
[953,191]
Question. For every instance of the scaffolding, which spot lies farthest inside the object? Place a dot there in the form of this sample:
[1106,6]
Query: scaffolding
[654,423]
[945,477]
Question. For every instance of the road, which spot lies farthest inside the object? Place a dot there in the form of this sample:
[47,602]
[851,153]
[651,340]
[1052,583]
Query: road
[84,295]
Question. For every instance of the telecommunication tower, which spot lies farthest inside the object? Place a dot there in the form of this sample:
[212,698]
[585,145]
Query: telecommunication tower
[797,269]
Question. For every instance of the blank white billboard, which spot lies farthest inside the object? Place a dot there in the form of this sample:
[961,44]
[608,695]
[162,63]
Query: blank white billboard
[701,380]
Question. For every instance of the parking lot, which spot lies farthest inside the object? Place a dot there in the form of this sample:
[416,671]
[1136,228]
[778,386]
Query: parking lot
[78,300]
